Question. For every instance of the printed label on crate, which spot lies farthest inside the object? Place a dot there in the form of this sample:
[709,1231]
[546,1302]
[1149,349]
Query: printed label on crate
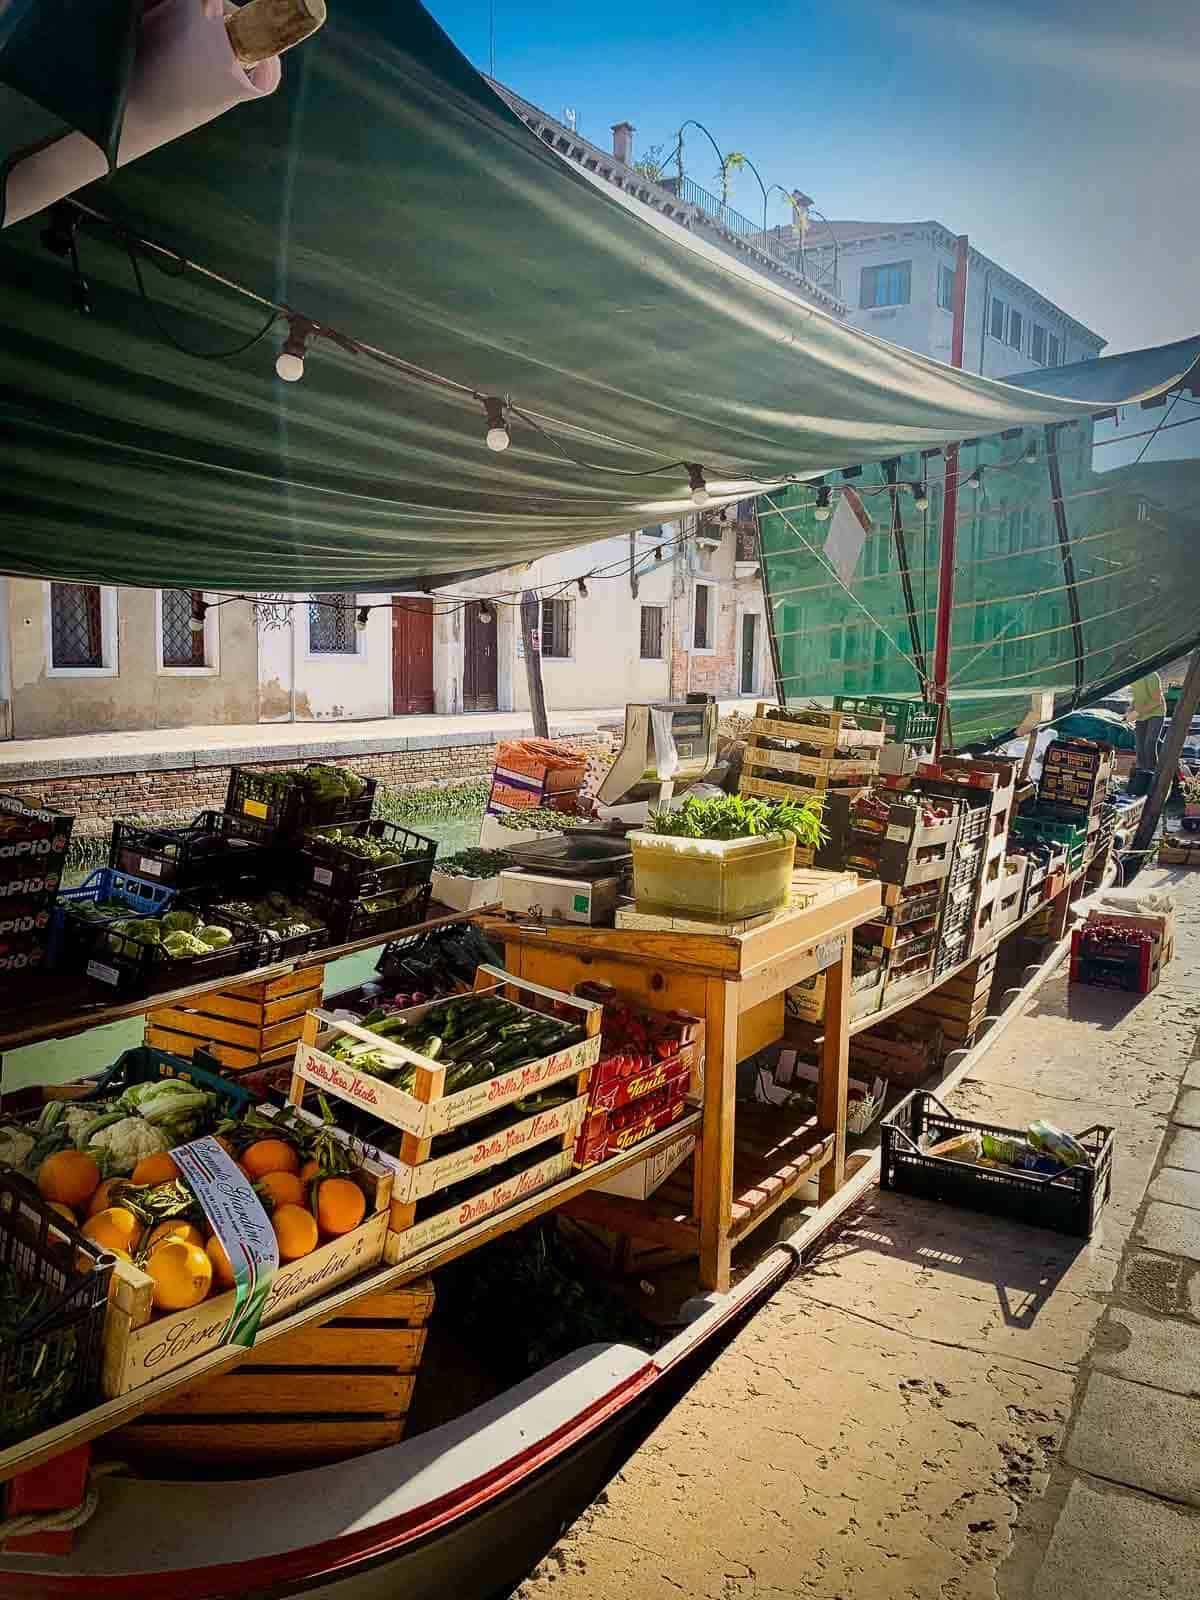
[479,1206]
[414,1182]
[33,847]
[44,883]
[256,808]
[898,833]
[236,1216]
[103,973]
[150,868]
[322,875]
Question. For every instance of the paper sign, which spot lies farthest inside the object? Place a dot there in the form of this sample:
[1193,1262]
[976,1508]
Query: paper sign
[256,808]
[236,1216]
[150,869]
[322,875]
[898,832]
[848,531]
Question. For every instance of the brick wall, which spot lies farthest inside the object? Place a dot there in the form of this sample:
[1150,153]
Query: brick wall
[105,796]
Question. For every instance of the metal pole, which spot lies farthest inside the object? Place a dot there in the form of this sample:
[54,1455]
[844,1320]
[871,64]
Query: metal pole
[1168,761]
[945,599]
[533,663]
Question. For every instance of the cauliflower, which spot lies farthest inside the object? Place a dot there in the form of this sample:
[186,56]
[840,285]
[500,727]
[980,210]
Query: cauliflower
[121,1145]
[78,1120]
[15,1145]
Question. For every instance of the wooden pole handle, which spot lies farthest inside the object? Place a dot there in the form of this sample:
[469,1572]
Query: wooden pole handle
[265,28]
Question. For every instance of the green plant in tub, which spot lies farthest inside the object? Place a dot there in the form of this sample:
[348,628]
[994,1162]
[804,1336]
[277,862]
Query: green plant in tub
[739,816]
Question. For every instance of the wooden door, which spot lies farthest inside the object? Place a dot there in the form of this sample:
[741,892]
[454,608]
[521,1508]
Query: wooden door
[412,655]
[749,651]
[479,661]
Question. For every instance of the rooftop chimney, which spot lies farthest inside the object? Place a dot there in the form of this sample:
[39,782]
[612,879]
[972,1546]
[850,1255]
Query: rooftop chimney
[623,133]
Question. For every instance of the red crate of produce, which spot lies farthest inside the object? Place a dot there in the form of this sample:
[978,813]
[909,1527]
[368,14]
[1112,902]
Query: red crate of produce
[608,1133]
[1109,956]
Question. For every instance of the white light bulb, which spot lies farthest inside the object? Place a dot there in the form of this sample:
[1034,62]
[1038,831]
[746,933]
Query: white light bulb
[821,513]
[196,624]
[700,496]
[498,439]
[289,367]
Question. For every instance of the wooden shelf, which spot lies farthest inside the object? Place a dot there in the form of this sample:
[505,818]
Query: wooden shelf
[57,1006]
[110,1414]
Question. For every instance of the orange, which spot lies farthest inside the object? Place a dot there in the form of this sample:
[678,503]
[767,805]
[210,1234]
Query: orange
[269,1155]
[182,1273]
[156,1168]
[114,1229]
[174,1228]
[221,1264]
[340,1205]
[309,1171]
[101,1200]
[281,1189]
[70,1177]
[296,1231]
[63,1211]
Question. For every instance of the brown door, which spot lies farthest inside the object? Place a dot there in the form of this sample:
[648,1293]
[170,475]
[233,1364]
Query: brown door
[412,655]
[479,661]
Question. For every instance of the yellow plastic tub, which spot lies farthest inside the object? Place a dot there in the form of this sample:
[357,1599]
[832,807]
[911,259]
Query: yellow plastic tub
[719,880]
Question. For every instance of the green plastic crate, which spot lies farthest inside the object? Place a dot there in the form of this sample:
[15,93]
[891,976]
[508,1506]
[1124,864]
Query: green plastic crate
[905,721]
[1073,838]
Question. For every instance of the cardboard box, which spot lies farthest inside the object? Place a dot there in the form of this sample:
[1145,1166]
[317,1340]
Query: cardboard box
[640,1182]
[466,894]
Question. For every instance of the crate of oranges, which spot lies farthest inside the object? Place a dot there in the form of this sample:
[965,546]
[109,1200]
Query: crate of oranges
[173,1295]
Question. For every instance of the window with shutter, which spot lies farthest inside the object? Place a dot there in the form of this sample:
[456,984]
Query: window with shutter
[556,628]
[652,633]
[331,628]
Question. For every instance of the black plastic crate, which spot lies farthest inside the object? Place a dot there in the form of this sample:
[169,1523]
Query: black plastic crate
[33,846]
[360,919]
[974,825]
[56,1292]
[334,870]
[287,806]
[271,947]
[1069,1202]
[215,848]
[124,966]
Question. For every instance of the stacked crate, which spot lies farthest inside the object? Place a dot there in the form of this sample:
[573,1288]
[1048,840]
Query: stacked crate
[33,851]
[962,884]
[794,755]
[959,1005]
[986,785]
[1073,787]
[243,1026]
[913,860]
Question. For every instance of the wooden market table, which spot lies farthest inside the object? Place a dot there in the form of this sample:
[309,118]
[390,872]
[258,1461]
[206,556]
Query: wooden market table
[749,1159]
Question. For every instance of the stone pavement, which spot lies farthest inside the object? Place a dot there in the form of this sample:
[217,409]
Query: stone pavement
[946,1404]
[225,744]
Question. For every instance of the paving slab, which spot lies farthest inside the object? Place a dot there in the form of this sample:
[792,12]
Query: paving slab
[1182,1149]
[1174,1230]
[1191,1078]
[1110,1544]
[1158,1351]
[1177,1188]
[1141,1437]
[1187,1112]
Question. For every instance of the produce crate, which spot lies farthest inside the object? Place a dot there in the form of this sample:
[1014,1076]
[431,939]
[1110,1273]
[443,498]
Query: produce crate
[821,732]
[216,848]
[552,767]
[272,948]
[142,1064]
[455,1209]
[1069,1203]
[337,871]
[905,905]
[33,846]
[806,1000]
[286,806]
[904,721]
[1112,963]
[1072,837]
[912,939]
[907,976]
[139,1345]
[462,892]
[801,787]
[72,933]
[610,1133]
[984,784]
[899,849]
[246,1025]
[121,965]
[429,1110]
[50,1361]
[905,1050]
[329,1392]
[349,920]
[1078,755]
[844,770]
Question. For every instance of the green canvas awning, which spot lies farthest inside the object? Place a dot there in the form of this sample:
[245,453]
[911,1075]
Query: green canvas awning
[386,192]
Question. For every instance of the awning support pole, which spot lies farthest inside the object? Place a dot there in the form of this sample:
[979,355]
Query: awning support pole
[1168,761]
[945,599]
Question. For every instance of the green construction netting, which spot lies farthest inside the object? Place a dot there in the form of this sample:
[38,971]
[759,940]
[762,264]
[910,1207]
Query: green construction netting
[385,191]
[1074,611]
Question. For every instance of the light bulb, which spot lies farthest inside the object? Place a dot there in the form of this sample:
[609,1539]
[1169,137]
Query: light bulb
[822,509]
[363,617]
[497,437]
[289,363]
[486,614]
[696,483]
[289,367]
[582,586]
[658,552]
[196,624]
[974,479]
[1031,454]
[920,496]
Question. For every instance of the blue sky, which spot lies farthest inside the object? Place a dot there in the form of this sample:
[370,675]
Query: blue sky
[1063,138]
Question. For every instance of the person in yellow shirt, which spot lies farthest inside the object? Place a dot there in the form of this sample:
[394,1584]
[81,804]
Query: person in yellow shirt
[1149,709]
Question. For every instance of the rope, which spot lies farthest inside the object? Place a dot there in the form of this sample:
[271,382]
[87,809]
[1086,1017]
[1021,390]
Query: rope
[70,1517]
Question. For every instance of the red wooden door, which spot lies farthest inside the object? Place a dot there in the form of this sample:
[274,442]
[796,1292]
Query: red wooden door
[479,661]
[412,655]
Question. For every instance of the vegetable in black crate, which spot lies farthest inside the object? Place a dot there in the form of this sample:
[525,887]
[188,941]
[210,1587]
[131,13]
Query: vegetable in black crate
[291,799]
[370,859]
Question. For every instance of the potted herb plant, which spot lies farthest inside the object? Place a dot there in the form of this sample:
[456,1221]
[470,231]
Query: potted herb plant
[721,859]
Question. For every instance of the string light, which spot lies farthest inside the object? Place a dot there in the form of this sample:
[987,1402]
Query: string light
[920,496]
[822,508]
[199,612]
[363,617]
[498,437]
[61,237]
[289,363]
[1031,453]
[973,480]
[696,483]
[486,614]
[582,587]
[658,552]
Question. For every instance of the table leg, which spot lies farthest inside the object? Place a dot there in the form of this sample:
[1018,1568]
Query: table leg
[833,1083]
[716,1142]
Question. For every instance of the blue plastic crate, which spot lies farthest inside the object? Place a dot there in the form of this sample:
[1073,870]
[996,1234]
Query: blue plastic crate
[71,936]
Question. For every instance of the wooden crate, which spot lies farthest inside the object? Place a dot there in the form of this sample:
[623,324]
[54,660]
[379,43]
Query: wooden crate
[325,1393]
[905,1050]
[246,1025]
[796,793]
[835,730]
[847,769]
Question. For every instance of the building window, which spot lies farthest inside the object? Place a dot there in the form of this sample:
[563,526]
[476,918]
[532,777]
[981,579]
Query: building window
[703,630]
[946,288]
[1053,351]
[1016,329]
[557,629]
[183,646]
[1037,343]
[331,630]
[889,285]
[996,326]
[76,625]
[652,633]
